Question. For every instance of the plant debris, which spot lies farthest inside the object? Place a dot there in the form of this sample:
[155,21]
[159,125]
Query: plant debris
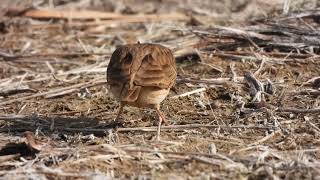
[245,105]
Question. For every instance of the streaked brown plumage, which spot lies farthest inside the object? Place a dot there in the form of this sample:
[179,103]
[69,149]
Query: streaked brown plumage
[141,75]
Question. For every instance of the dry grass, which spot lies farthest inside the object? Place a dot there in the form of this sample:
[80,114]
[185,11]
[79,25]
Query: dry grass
[224,122]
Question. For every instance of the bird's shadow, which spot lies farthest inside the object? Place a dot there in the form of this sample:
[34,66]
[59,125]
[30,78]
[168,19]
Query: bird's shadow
[60,124]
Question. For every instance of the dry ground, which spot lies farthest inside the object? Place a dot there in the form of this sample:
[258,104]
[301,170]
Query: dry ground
[53,89]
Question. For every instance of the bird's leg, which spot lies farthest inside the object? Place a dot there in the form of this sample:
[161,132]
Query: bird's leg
[117,121]
[119,111]
[161,119]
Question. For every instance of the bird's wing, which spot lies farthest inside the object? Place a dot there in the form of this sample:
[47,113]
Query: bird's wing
[157,69]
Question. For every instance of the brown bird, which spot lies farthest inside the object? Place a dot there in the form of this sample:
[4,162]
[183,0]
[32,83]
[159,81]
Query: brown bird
[141,75]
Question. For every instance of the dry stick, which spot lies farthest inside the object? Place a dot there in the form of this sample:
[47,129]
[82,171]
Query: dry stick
[311,81]
[273,54]
[46,172]
[190,126]
[302,14]
[99,157]
[207,161]
[313,126]
[265,138]
[244,149]
[297,151]
[124,149]
[212,67]
[48,93]
[312,92]
[219,140]
[85,15]
[7,158]
[188,93]
[86,69]
[296,110]
[260,67]
[14,88]
[10,57]
[233,32]
[217,81]
[61,93]
[251,58]
[182,153]
[232,56]
[110,23]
